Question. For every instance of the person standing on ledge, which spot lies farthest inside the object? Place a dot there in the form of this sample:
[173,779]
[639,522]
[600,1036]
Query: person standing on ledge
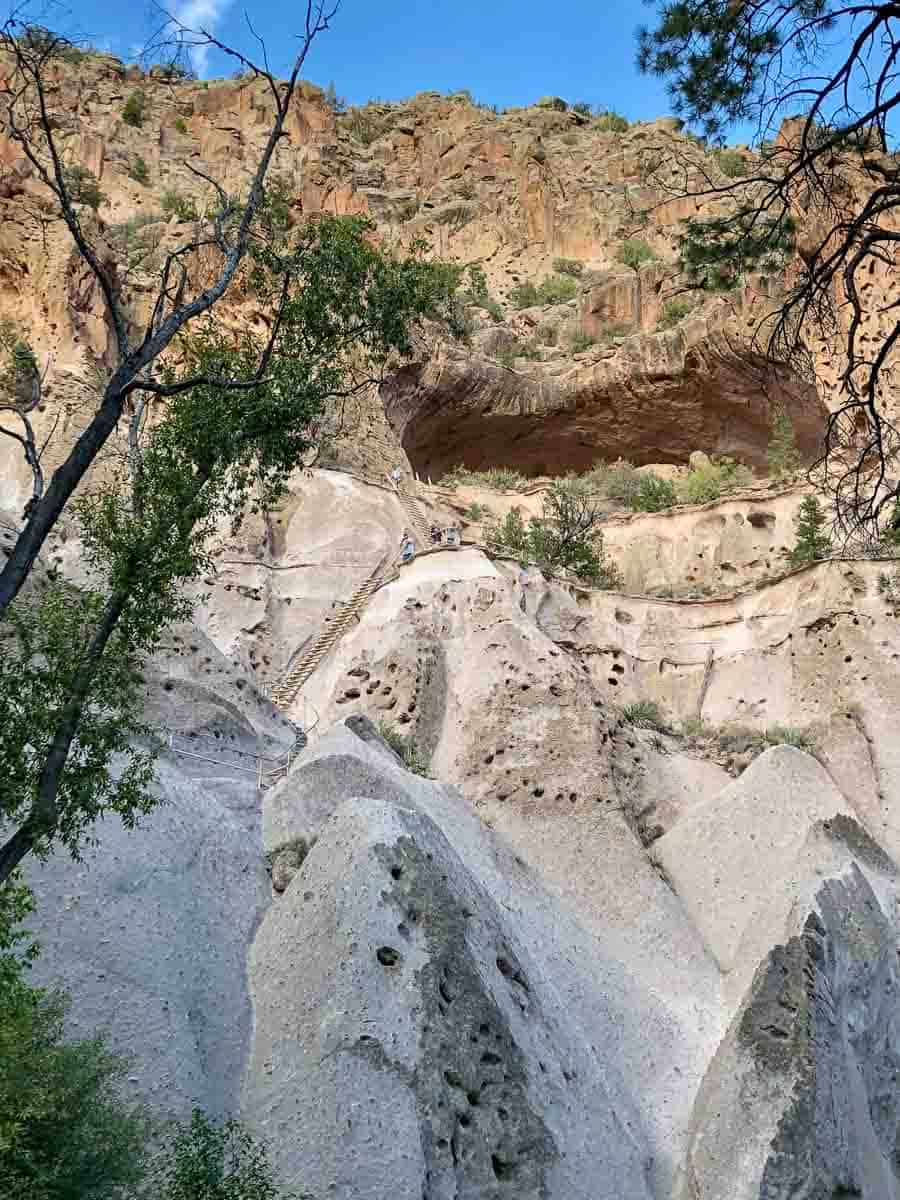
[396,476]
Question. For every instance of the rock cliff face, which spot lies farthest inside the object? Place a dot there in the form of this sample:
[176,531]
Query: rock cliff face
[585,958]
[509,193]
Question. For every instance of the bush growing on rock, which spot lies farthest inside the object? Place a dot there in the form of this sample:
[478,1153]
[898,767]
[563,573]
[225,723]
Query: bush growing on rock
[83,187]
[645,714]
[654,494]
[635,251]
[566,537]
[712,480]
[501,479]
[557,289]
[673,313]
[611,122]
[139,171]
[175,203]
[135,109]
[568,266]
[405,748]
[524,295]
[618,481]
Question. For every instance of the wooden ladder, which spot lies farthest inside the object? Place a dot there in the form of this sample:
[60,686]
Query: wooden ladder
[415,517]
[333,629]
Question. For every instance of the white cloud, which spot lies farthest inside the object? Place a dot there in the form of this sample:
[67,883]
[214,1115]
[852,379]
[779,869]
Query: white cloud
[201,14]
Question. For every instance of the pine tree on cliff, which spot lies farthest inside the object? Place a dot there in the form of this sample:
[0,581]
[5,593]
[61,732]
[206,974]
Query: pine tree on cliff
[783,455]
[730,65]
[813,541]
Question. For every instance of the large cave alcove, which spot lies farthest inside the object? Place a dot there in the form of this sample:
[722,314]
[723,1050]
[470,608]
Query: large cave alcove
[474,413]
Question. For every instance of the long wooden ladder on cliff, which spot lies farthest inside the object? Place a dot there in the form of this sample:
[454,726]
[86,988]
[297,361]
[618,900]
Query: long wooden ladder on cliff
[333,630]
[415,517]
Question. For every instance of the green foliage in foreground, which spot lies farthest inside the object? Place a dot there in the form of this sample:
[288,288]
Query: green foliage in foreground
[71,661]
[567,536]
[206,1161]
[64,1132]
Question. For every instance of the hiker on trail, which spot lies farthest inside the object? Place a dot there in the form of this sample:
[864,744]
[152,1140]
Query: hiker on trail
[396,476]
[436,536]
[407,547]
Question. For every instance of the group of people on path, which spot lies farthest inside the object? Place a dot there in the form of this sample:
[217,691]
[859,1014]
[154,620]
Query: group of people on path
[439,537]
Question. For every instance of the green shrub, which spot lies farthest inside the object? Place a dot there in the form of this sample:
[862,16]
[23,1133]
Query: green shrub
[783,455]
[524,295]
[177,204]
[673,313]
[567,536]
[548,333]
[581,341]
[731,163]
[618,481]
[530,349]
[654,494]
[568,266]
[476,512]
[405,748]
[889,588]
[180,125]
[645,714]
[501,479]
[713,480]
[139,171]
[813,541]
[83,186]
[635,251]
[64,1131]
[611,122]
[554,102]
[557,289]
[583,108]
[213,1162]
[135,109]
[365,126]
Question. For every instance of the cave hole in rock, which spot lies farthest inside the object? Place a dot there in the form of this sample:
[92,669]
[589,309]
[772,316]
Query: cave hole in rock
[478,417]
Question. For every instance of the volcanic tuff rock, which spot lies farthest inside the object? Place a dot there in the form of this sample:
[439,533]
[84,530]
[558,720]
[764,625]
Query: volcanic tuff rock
[471,184]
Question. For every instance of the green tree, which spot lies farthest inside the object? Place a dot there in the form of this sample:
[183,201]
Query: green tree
[206,1161]
[833,65]
[813,541]
[184,293]
[567,536]
[65,1134]
[783,455]
[70,679]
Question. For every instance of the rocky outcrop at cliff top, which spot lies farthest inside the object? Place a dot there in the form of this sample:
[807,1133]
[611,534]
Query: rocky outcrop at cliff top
[508,192]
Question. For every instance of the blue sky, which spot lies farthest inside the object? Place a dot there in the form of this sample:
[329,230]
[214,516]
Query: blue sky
[505,52]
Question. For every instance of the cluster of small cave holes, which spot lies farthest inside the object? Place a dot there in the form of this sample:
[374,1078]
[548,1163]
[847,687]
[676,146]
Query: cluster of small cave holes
[821,628]
[223,673]
[489,1046]
[382,692]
